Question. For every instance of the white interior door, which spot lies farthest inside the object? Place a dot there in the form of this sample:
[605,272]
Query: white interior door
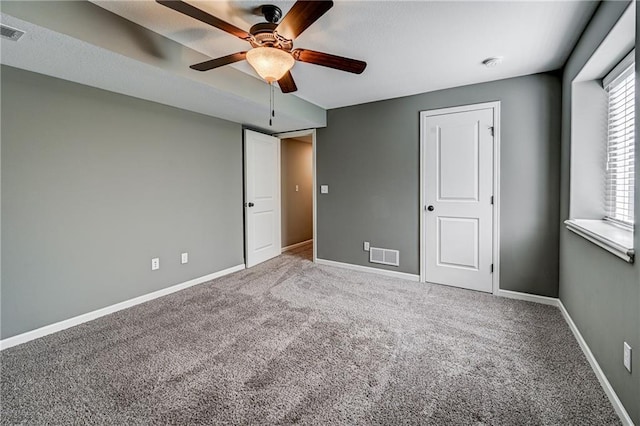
[262,197]
[458,210]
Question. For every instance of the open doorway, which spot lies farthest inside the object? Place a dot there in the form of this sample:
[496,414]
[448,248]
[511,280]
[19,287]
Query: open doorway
[298,200]
[279,196]
[296,180]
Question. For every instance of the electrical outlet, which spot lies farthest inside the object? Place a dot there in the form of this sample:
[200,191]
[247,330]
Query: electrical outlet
[184,258]
[324,189]
[366,246]
[297,188]
[627,357]
[155,263]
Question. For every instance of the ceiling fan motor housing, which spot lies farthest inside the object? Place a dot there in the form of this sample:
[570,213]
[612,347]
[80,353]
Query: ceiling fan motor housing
[264,36]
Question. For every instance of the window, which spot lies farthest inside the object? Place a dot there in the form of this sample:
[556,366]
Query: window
[619,186]
[601,185]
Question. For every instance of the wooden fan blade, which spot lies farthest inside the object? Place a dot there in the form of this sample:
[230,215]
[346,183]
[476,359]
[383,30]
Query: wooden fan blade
[218,62]
[202,16]
[286,83]
[331,61]
[301,16]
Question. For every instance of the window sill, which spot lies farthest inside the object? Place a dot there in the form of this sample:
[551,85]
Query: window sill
[610,237]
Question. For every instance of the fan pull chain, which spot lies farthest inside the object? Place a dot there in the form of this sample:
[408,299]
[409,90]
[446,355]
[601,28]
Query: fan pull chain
[271,104]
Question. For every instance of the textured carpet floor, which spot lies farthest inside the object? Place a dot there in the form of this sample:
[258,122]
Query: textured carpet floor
[293,342]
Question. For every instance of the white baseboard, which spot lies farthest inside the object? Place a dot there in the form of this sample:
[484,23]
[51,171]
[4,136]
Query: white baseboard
[606,386]
[296,245]
[403,275]
[62,325]
[528,297]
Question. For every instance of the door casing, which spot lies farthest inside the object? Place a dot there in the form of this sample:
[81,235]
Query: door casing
[495,106]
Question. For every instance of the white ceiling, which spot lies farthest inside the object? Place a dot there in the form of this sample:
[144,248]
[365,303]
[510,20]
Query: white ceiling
[80,42]
[410,46]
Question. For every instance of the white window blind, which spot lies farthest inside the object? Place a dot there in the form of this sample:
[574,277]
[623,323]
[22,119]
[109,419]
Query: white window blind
[619,196]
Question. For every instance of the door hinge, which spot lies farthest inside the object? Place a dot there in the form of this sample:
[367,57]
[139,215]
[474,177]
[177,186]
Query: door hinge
[492,199]
[491,130]
[492,268]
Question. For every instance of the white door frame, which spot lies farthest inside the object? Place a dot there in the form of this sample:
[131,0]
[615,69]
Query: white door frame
[495,105]
[298,134]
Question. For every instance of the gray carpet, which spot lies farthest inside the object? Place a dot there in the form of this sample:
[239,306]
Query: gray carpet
[292,342]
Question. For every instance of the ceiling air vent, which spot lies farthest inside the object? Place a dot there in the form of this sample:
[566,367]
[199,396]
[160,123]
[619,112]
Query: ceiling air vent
[10,33]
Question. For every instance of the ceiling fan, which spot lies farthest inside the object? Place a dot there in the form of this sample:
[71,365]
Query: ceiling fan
[272,54]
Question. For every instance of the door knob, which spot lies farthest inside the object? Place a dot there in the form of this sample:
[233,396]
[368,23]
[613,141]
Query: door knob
[250,205]
[430,208]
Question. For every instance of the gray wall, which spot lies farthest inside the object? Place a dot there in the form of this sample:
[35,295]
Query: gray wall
[95,184]
[297,206]
[369,157]
[600,291]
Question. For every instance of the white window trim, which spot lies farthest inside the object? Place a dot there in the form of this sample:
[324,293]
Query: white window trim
[614,238]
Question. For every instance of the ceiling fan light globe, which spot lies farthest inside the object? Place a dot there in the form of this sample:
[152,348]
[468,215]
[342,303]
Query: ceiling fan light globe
[270,63]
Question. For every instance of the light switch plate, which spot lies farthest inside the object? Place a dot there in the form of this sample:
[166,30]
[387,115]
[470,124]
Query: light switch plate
[324,189]
[627,357]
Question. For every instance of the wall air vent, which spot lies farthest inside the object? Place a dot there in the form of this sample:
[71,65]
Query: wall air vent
[384,256]
[10,33]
